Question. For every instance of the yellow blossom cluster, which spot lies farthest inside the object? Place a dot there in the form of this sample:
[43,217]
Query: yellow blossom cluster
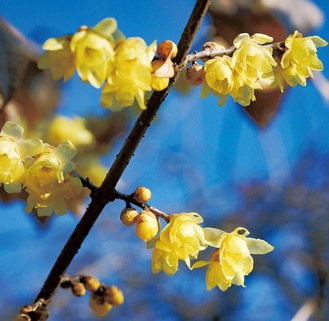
[103,57]
[43,171]
[183,238]
[252,66]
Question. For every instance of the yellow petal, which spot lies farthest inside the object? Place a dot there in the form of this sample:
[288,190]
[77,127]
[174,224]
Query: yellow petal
[213,236]
[257,246]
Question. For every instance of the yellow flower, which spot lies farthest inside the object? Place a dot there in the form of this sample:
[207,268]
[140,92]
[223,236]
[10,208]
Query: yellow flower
[299,60]
[231,261]
[251,59]
[243,90]
[181,239]
[63,128]
[252,64]
[219,78]
[48,181]
[13,150]
[55,200]
[58,58]
[131,76]
[93,50]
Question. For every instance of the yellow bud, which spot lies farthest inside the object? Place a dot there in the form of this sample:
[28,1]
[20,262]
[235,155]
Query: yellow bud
[142,194]
[22,317]
[195,75]
[78,289]
[128,216]
[113,295]
[147,226]
[99,306]
[91,283]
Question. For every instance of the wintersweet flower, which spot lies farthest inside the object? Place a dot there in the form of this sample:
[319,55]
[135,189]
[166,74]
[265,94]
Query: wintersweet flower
[298,60]
[56,200]
[243,90]
[13,150]
[131,77]
[252,64]
[58,57]
[231,261]
[74,129]
[46,176]
[219,78]
[181,239]
[93,50]
[251,59]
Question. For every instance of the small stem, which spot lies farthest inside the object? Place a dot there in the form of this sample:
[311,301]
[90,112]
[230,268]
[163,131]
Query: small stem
[130,199]
[86,182]
[106,192]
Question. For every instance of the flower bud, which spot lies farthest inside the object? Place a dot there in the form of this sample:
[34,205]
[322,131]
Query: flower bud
[22,317]
[147,226]
[128,216]
[99,306]
[142,194]
[113,295]
[91,283]
[195,75]
[167,49]
[78,289]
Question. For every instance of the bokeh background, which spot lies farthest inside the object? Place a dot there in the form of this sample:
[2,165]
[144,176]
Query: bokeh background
[264,168]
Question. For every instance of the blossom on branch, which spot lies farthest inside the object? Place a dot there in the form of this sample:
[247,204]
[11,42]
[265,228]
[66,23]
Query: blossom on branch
[231,261]
[48,179]
[298,61]
[13,151]
[103,57]
[219,78]
[131,76]
[58,57]
[181,239]
[93,50]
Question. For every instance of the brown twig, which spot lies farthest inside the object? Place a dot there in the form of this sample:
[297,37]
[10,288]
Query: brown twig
[105,193]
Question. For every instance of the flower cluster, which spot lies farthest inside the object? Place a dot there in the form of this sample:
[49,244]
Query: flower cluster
[183,238]
[254,66]
[43,171]
[103,57]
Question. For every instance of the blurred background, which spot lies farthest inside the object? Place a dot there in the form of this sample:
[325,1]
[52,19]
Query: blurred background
[264,167]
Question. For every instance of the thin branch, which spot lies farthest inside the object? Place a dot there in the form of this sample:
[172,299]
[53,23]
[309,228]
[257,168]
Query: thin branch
[278,47]
[106,192]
